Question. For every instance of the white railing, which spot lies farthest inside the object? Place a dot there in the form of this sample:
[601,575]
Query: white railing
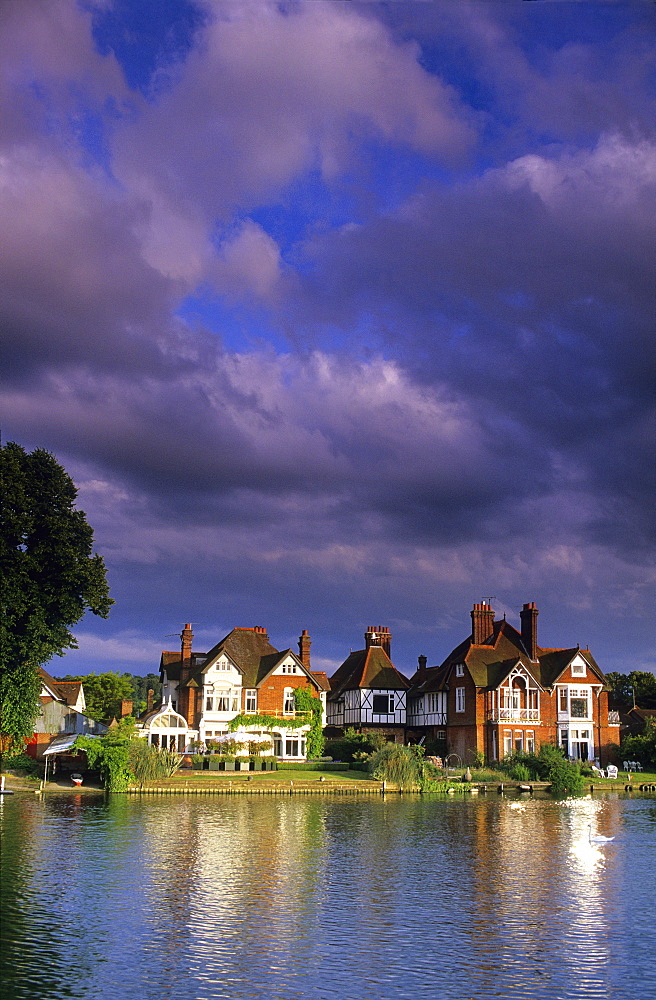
[515,714]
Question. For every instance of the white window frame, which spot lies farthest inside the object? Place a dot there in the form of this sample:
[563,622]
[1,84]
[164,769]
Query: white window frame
[289,700]
[460,670]
[460,699]
[250,695]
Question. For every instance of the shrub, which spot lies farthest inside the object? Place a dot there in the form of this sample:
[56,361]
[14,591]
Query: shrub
[397,764]
[519,772]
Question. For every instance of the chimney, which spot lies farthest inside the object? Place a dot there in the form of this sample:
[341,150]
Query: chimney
[371,637]
[150,699]
[421,669]
[126,708]
[304,643]
[386,639]
[185,656]
[529,619]
[482,623]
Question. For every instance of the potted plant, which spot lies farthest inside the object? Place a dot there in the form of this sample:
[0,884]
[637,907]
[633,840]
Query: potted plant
[197,761]
[214,761]
[242,764]
[228,762]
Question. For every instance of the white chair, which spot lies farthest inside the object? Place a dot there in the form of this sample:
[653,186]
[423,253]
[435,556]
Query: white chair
[637,766]
[627,765]
[611,771]
[597,772]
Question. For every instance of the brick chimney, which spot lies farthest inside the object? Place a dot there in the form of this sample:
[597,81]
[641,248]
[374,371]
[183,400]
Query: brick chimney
[126,707]
[150,699]
[421,669]
[371,637]
[386,639]
[304,643]
[482,623]
[529,619]
[187,638]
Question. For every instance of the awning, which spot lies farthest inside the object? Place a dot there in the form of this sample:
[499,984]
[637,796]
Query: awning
[61,744]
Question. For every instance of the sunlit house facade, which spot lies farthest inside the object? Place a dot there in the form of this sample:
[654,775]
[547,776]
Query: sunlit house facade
[242,675]
[500,692]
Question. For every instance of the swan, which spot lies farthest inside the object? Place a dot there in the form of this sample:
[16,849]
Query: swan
[598,838]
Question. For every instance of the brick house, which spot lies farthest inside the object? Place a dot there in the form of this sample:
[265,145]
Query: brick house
[367,692]
[499,691]
[243,674]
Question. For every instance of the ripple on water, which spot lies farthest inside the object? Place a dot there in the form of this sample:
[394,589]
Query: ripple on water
[322,898]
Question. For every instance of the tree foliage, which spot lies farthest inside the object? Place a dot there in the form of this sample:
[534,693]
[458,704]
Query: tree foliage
[639,686]
[49,579]
[641,746]
[104,693]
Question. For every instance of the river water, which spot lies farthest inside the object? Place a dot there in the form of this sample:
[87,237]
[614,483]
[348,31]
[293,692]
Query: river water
[306,898]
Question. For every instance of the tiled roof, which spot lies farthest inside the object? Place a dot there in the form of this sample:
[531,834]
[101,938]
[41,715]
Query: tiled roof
[321,677]
[367,668]
[489,663]
[251,652]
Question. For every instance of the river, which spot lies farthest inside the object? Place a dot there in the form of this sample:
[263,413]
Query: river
[306,898]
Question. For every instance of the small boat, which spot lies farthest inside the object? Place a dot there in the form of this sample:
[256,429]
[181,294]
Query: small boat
[77,779]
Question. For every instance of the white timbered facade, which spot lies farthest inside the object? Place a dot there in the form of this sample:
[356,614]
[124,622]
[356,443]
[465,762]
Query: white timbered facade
[367,692]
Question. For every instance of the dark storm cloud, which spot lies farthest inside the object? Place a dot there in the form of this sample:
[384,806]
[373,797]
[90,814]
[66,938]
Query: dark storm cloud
[465,406]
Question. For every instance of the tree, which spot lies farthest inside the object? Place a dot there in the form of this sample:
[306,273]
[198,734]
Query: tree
[637,687]
[50,578]
[103,694]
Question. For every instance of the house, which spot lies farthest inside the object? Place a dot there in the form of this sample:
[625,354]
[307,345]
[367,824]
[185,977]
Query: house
[243,674]
[367,692]
[499,692]
[62,711]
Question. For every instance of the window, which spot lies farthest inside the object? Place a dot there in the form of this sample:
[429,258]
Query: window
[507,742]
[289,668]
[383,704]
[460,699]
[251,700]
[578,703]
[440,734]
[460,670]
[290,705]
[519,741]
[530,741]
[578,669]
[208,704]
[562,702]
[223,703]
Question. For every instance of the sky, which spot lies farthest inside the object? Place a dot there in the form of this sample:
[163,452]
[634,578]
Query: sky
[338,314]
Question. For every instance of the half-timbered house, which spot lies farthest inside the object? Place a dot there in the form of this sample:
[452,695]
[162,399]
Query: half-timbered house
[367,692]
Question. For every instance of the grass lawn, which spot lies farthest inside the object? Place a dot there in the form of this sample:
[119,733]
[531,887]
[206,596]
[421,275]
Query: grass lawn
[277,776]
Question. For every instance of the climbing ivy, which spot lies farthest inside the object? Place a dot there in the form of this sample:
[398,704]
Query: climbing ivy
[304,701]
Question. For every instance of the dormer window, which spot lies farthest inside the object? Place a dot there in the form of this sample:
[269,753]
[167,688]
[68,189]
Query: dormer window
[578,669]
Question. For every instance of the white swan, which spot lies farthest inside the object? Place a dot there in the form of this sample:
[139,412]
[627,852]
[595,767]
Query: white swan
[598,838]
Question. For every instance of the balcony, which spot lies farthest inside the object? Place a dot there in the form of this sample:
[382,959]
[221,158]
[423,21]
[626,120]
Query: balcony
[514,715]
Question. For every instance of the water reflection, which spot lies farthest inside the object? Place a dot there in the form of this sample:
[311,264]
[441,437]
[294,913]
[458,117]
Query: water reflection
[320,898]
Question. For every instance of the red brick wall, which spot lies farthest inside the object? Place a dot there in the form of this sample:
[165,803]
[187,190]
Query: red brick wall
[271,692]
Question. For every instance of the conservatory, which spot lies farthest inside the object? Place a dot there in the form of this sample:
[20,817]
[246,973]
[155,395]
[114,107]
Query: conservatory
[168,729]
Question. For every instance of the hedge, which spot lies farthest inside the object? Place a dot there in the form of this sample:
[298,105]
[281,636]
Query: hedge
[311,765]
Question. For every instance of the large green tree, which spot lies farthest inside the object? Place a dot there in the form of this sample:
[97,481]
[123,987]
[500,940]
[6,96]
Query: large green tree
[637,687]
[49,578]
[104,693]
